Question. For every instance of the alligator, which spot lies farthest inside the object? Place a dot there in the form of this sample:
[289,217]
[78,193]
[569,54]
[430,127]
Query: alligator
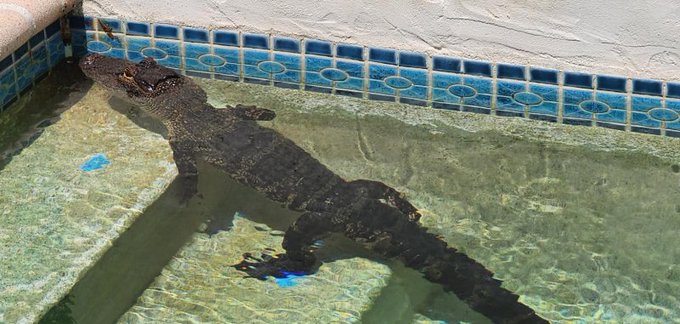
[369,212]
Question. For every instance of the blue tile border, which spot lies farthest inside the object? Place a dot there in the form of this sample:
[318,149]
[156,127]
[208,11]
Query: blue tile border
[446,64]
[382,55]
[137,28]
[286,44]
[227,38]
[256,41]
[650,87]
[612,83]
[166,31]
[195,35]
[544,75]
[386,74]
[350,51]
[510,71]
[413,59]
[477,68]
[578,79]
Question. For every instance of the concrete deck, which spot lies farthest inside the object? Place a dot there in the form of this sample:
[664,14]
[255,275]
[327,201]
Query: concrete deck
[21,19]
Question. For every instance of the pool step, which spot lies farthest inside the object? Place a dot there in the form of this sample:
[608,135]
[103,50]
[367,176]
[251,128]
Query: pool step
[199,286]
[57,218]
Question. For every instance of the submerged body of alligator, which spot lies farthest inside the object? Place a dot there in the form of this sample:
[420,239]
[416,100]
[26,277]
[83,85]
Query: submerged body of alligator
[368,212]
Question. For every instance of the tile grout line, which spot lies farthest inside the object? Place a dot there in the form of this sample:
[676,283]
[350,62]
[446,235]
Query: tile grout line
[334,64]
[241,56]
[527,108]
[560,96]
[270,49]
[303,63]
[629,105]
[126,45]
[124,42]
[493,109]
[397,91]
[430,87]
[211,51]
[664,106]
[461,100]
[16,75]
[182,50]
[152,41]
[593,97]
[367,79]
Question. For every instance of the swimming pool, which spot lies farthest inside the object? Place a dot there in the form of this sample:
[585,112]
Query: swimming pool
[552,211]
[580,222]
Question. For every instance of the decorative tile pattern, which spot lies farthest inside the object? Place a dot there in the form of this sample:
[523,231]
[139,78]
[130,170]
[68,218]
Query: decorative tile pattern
[32,60]
[442,82]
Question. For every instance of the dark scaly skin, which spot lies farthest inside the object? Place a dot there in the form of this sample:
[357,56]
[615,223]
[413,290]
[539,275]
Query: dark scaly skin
[368,212]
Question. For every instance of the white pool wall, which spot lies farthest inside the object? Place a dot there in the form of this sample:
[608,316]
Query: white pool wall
[635,38]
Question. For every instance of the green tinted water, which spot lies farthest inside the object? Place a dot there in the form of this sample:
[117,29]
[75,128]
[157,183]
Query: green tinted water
[582,222]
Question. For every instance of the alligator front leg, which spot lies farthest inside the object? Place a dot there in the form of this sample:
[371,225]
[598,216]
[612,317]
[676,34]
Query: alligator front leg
[185,160]
[250,112]
[299,257]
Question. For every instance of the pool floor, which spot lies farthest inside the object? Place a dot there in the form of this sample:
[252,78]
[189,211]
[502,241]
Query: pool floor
[582,222]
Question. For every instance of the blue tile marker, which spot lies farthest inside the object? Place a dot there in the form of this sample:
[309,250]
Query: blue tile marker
[95,162]
[289,280]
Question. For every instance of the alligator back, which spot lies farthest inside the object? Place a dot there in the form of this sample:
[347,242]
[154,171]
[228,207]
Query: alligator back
[272,164]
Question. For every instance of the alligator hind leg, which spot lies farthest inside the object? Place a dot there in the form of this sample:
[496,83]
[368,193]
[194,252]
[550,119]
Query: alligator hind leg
[298,240]
[377,190]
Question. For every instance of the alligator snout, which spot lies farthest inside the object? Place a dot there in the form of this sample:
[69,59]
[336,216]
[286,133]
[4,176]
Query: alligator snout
[102,69]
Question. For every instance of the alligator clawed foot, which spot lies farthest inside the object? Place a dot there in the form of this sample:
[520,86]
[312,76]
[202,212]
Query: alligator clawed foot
[277,266]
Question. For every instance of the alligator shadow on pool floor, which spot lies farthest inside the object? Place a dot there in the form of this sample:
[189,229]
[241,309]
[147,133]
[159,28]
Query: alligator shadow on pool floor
[138,256]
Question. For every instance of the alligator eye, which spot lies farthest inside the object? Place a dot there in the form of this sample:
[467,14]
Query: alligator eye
[127,74]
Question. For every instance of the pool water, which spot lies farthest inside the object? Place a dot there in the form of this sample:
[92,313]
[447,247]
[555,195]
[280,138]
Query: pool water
[583,223]
[24,121]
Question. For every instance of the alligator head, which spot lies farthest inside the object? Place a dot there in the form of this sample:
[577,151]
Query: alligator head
[141,83]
